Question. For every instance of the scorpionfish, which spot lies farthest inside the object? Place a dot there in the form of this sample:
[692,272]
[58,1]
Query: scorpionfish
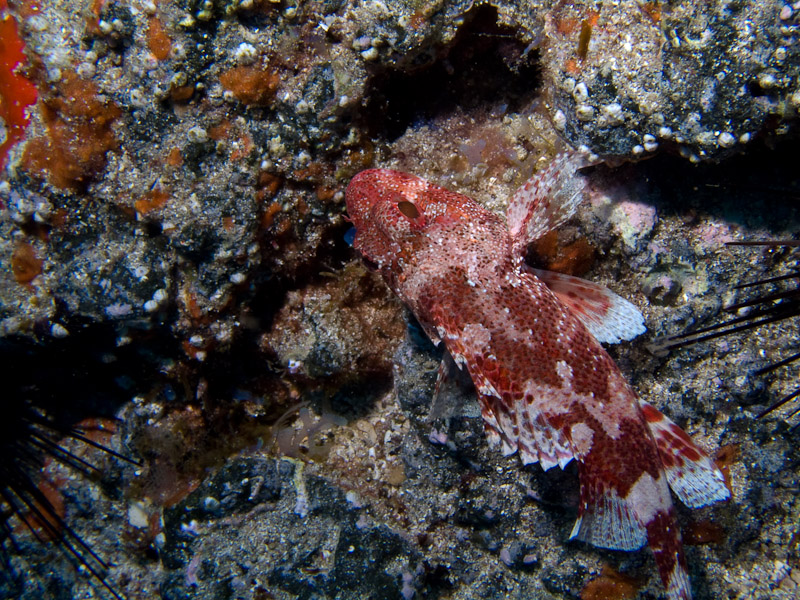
[530,341]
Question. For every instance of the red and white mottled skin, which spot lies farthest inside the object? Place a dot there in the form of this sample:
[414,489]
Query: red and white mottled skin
[546,386]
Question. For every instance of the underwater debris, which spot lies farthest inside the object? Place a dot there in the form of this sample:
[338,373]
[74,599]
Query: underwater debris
[585,36]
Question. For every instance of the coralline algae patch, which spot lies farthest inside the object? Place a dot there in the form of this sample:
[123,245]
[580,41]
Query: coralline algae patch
[17,93]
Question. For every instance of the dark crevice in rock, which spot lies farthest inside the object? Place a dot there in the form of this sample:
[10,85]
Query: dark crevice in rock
[485,65]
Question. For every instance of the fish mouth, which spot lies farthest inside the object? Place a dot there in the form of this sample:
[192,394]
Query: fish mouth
[362,193]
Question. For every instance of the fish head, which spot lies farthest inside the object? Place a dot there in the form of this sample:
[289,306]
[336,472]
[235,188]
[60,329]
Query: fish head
[395,213]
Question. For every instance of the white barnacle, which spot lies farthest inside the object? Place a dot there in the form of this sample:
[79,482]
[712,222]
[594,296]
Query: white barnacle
[560,120]
[245,54]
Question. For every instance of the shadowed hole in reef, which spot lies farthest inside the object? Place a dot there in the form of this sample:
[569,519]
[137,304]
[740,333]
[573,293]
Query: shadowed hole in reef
[485,65]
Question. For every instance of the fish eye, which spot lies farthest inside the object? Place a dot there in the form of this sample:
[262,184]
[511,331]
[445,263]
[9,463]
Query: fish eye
[408,209]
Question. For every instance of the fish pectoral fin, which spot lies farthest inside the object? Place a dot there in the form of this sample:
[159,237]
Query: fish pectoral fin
[608,317]
[691,473]
[520,426]
[546,200]
[454,393]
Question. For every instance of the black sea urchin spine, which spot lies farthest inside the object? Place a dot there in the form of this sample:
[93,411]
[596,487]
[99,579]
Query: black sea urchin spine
[763,308]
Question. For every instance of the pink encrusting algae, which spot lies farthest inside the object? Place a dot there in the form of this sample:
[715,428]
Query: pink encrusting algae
[530,341]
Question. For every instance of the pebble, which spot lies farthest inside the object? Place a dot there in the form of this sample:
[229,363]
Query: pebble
[160,540]
[58,331]
[613,113]
[137,516]
[726,140]
[197,135]
[86,70]
[370,53]
[580,93]
[210,504]
[559,119]
[584,112]
[767,81]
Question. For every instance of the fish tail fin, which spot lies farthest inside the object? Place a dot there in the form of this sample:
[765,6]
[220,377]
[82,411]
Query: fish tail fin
[625,520]
[664,538]
[605,519]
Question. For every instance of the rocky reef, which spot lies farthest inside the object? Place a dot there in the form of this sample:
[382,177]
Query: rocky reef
[172,206]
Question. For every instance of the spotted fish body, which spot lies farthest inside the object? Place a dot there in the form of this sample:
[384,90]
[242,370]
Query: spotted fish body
[529,340]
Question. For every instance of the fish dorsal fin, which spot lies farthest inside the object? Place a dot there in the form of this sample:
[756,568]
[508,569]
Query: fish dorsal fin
[608,317]
[546,200]
[691,474]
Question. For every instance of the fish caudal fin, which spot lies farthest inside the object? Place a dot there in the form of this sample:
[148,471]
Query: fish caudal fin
[608,317]
[691,474]
[546,200]
[664,539]
[627,520]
